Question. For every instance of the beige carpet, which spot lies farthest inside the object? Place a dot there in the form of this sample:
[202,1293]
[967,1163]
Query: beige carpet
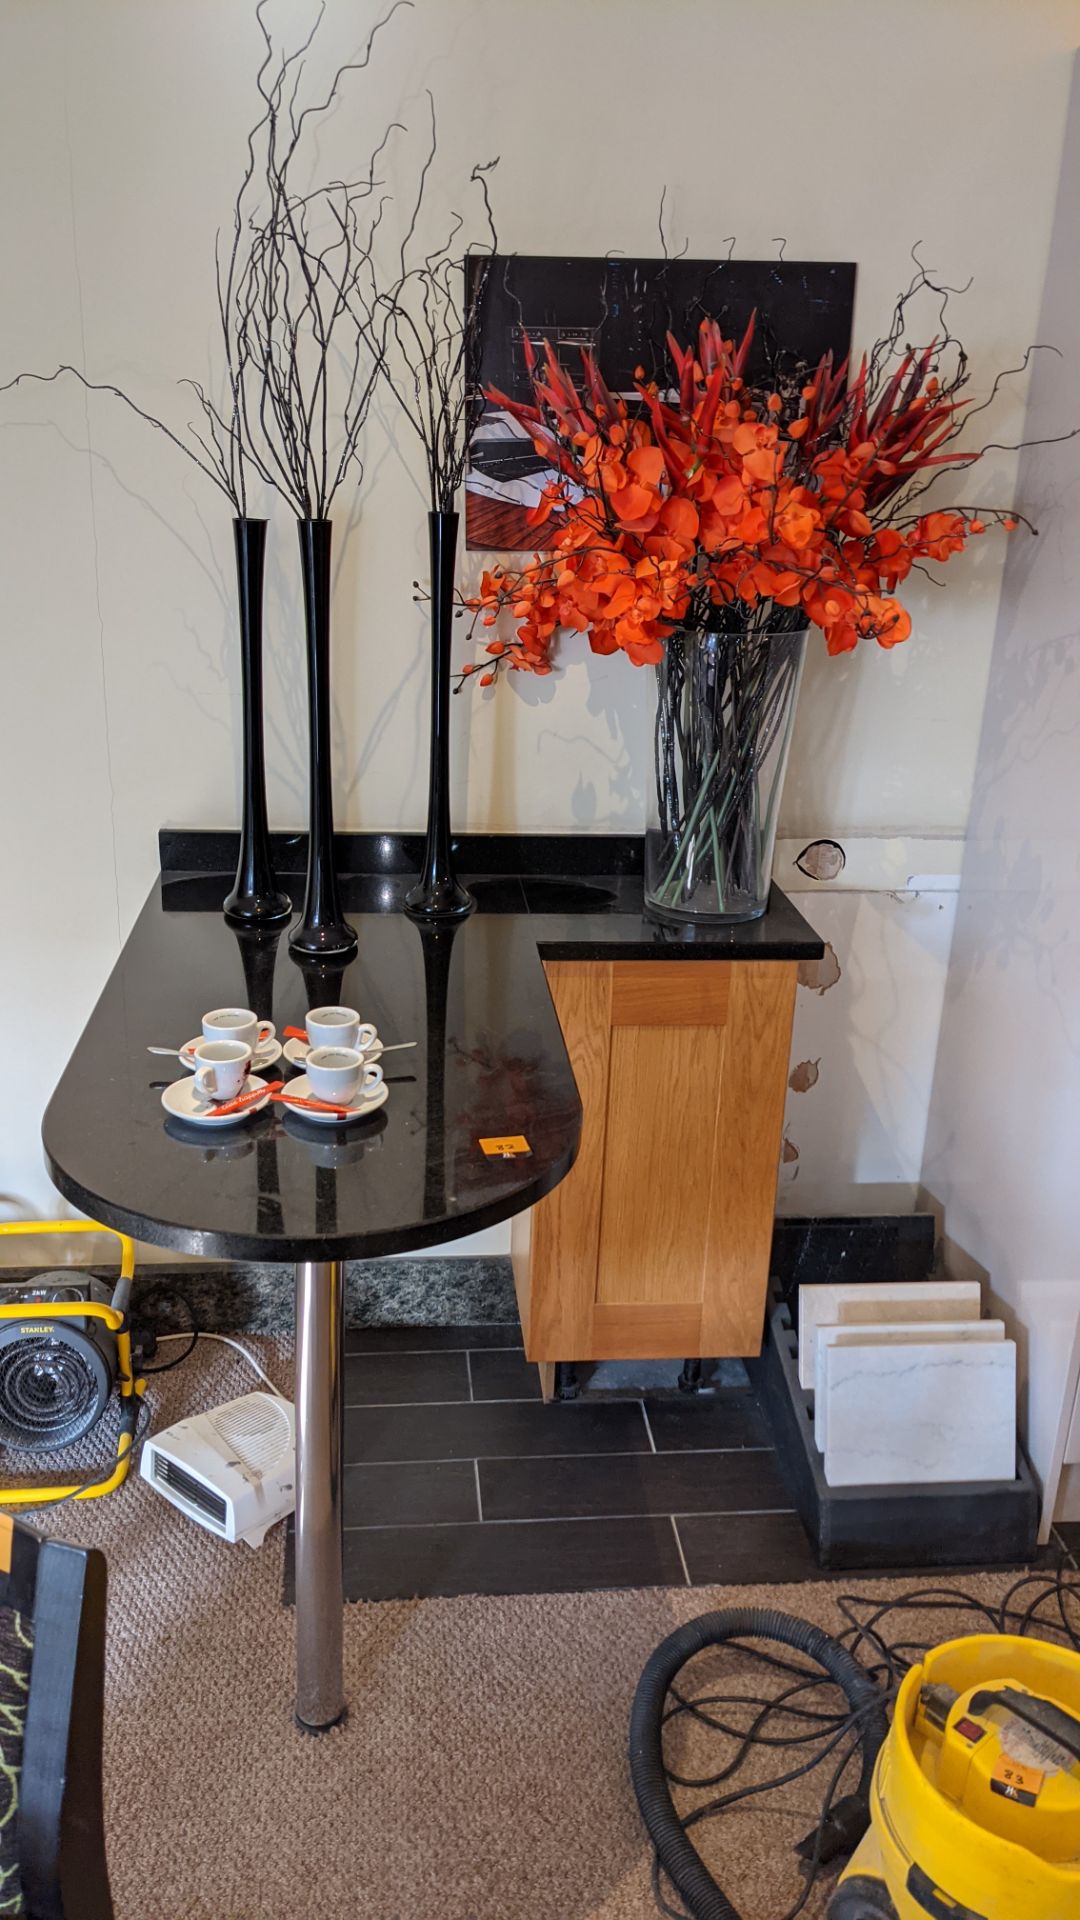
[481,1776]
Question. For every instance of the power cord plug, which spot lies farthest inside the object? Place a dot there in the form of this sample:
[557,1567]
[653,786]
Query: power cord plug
[143,1344]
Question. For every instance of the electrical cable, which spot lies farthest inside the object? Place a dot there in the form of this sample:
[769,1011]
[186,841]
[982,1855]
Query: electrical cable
[866,1719]
[226,1340]
[161,1290]
[799,1719]
[193,1334]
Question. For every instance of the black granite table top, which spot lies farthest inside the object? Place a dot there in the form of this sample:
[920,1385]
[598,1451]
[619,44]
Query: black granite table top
[490,1061]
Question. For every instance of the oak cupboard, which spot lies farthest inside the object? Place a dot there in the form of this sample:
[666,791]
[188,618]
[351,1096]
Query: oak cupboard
[657,1243]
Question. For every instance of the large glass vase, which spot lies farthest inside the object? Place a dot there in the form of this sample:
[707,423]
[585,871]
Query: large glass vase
[723,711]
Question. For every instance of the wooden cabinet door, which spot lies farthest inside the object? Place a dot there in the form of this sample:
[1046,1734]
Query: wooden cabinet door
[657,1243]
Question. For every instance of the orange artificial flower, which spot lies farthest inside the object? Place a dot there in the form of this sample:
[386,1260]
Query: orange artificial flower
[710,500]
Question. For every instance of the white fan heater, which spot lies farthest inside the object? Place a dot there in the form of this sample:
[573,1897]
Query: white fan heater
[233,1469]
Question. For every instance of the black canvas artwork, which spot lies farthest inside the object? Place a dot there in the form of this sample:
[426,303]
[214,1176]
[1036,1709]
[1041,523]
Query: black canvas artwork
[624,309]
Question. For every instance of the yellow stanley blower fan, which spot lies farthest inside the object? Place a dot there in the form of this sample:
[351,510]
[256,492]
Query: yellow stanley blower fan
[65,1343]
[975,1799]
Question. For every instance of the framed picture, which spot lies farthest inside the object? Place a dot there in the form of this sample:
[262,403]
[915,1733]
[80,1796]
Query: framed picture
[623,310]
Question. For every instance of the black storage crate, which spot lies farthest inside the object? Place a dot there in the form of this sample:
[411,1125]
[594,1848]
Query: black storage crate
[974,1523]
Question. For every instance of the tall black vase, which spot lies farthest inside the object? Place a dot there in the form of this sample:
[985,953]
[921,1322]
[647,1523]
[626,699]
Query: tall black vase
[323,929]
[437,945]
[438,894]
[256,899]
[258,957]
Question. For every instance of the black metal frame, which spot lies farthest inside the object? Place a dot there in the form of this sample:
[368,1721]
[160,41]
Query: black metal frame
[61,1824]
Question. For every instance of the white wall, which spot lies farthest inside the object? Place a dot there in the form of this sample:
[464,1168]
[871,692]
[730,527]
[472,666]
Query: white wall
[855,130]
[864,1042]
[1004,1134]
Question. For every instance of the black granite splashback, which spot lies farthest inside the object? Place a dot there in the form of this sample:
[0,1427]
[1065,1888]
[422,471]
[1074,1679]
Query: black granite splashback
[883,1247]
[203,850]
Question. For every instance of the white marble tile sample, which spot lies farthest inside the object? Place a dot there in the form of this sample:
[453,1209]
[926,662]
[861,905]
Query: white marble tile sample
[885,1333]
[834,1302]
[941,1411]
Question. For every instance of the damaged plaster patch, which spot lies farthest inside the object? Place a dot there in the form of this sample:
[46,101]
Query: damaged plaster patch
[820,975]
[822,860]
[805,1075]
[789,1157]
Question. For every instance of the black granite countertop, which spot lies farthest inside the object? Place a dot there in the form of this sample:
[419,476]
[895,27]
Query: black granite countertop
[490,1058]
[582,893]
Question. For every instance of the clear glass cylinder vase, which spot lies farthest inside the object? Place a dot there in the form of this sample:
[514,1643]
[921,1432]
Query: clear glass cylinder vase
[723,711]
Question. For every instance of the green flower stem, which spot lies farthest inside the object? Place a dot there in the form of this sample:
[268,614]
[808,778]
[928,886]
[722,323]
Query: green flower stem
[690,825]
[718,862]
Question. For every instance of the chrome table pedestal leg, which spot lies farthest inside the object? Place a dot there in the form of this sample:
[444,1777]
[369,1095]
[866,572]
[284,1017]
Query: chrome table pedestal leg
[320,1697]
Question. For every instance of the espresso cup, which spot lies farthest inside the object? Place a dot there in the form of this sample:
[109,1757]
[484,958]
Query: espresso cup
[221,1068]
[237,1023]
[339,1027]
[342,1075]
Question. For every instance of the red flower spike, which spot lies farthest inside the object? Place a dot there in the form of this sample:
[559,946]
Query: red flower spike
[738,365]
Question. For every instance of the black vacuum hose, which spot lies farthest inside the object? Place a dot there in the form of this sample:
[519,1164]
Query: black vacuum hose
[678,1856]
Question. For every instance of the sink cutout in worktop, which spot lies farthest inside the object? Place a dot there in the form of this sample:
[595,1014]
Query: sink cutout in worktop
[567,896]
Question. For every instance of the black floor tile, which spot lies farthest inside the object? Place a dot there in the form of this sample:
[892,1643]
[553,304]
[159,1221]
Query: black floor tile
[430,1339]
[404,1379]
[493,1431]
[558,1556]
[746,1549]
[505,1375]
[733,1482]
[426,1493]
[731,1417]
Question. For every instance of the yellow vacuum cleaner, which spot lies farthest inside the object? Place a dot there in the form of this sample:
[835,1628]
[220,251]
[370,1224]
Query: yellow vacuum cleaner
[972,1792]
[65,1344]
[975,1800]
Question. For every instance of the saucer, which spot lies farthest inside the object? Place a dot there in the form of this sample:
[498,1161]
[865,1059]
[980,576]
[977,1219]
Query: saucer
[263,1056]
[185,1103]
[301,1090]
[296,1051]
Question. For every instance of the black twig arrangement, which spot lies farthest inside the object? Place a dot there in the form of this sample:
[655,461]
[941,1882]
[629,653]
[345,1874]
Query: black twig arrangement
[422,326]
[298,367]
[303,293]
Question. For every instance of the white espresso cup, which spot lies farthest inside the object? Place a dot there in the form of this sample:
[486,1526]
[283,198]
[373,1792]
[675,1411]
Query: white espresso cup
[339,1027]
[221,1068]
[342,1075]
[237,1023]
